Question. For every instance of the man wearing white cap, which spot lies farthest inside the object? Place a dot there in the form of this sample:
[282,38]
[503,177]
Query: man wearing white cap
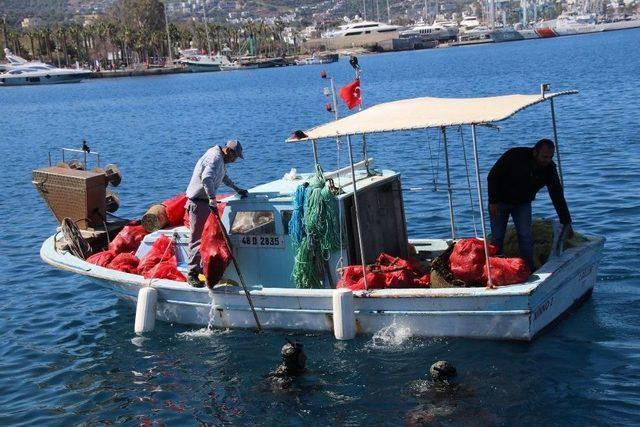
[210,171]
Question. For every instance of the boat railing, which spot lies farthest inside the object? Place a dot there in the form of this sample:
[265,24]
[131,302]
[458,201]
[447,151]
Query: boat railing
[65,152]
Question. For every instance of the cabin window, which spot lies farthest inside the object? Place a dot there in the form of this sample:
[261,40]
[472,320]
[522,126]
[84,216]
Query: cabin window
[254,222]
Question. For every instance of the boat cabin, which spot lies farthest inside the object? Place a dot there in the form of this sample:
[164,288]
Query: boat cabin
[258,227]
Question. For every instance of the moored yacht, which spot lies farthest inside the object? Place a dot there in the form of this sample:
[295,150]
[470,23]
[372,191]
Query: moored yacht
[19,72]
[361,28]
[197,62]
[435,31]
[469,22]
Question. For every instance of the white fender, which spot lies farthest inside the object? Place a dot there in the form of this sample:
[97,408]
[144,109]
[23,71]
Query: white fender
[344,318]
[146,310]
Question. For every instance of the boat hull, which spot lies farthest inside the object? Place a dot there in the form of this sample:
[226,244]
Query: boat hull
[517,312]
[42,80]
[202,68]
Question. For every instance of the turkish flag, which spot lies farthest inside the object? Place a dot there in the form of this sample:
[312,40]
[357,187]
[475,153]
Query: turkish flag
[350,94]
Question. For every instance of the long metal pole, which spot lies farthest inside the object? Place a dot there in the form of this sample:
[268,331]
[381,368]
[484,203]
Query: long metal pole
[364,7]
[334,98]
[388,13]
[315,151]
[240,276]
[355,202]
[166,25]
[481,204]
[555,141]
[449,189]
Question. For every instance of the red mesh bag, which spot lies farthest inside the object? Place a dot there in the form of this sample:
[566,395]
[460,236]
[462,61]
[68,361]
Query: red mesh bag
[125,262]
[506,271]
[214,251]
[352,279]
[422,282]
[467,260]
[162,250]
[165,270]
[102,258]
[174,208]
[411,263]
[351,274]
[128,239]
[399,279]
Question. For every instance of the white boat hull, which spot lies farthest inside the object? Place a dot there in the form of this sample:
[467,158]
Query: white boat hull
[44,79]
[516,312]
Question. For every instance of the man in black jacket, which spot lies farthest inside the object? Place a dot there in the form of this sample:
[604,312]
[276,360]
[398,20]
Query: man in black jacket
[514,181]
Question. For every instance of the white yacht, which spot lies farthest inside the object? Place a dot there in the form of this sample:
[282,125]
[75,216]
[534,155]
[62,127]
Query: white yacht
[197,62]
[435,31]
[19,71]
[360,28]
[469,22]
[569,23]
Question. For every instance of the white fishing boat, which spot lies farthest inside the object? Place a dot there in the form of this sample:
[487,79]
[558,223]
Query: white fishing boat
[20,72]
[260,234]
[318,59]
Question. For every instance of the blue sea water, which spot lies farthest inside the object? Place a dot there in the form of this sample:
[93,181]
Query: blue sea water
[69,355]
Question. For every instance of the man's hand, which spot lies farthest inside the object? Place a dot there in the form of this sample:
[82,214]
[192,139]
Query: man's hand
[242,193]
[493,209]
[213,205]
[568,231]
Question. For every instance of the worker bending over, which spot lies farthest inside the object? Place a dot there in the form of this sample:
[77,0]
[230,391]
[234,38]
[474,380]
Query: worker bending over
[514,181]
[210,171]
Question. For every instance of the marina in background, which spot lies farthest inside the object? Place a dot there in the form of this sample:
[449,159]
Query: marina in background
[108,46]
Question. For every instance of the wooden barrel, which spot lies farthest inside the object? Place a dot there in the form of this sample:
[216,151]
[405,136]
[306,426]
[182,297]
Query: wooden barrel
[155,218]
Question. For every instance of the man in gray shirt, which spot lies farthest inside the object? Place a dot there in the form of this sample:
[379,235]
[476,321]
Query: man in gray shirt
[210,171]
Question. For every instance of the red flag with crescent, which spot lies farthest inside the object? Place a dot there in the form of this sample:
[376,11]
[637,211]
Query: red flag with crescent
[350,94]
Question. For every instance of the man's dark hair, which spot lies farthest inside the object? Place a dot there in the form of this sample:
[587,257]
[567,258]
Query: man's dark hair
[544,143]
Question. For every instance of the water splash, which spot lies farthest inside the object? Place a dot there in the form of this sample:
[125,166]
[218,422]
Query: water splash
[206,332]
[391,336]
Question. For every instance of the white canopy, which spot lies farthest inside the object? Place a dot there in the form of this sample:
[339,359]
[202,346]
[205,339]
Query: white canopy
[420,113]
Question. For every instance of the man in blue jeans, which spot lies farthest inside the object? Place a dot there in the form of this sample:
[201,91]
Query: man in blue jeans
[514,181]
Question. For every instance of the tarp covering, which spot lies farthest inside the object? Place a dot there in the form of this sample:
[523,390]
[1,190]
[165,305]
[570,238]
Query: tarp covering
[421,113]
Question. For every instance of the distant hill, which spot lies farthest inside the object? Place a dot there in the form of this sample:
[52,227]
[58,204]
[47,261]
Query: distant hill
[52,11]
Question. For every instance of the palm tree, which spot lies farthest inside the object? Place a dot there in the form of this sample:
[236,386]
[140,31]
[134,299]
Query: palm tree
[31,35]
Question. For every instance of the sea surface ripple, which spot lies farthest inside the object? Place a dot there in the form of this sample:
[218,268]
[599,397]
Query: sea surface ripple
[69,355]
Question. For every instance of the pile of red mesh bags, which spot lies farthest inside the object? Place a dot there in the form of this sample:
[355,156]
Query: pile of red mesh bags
[102,258]
[159,263]
[387,273]
[506,271]
[128,239]
[468,263]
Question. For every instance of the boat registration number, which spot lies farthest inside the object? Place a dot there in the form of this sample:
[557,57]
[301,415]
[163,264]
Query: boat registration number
[258,240]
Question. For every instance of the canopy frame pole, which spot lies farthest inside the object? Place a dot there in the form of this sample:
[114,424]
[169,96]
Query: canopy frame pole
[443,129]
[481,205]
[355,203]
[555,141]
[314,144]
[365,155]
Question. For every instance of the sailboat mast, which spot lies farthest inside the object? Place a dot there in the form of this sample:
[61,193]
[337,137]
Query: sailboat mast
[388,13]
[206,29]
